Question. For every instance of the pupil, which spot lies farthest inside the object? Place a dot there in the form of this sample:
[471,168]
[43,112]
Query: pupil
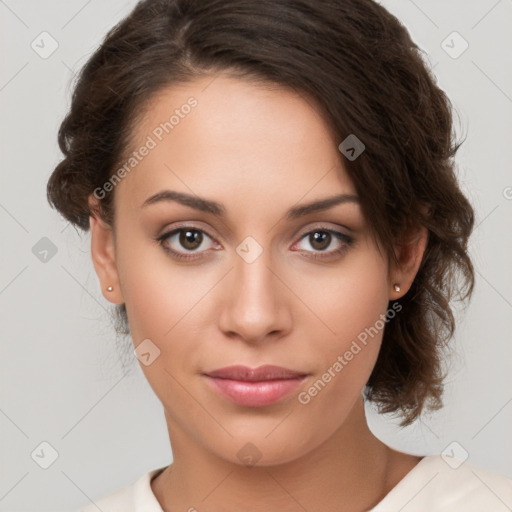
[321,237]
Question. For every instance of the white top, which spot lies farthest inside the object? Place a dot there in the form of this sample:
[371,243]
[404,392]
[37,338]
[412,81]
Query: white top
[436,483]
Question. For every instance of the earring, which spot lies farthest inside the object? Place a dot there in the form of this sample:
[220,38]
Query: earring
[397,288]
[109,289]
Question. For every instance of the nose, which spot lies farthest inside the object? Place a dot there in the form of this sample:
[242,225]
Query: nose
[256,302]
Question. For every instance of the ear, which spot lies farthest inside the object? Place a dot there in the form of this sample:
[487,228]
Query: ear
[103,254]
[410,255]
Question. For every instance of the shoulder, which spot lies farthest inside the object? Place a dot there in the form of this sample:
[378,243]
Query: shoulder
[441,483]
[135,497]
[461,484]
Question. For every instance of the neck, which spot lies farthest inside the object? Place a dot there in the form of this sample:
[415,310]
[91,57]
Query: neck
[352,468]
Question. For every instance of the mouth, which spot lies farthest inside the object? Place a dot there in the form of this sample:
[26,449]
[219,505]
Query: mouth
[256,387]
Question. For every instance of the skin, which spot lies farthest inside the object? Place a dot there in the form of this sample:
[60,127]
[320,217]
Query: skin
[259,151]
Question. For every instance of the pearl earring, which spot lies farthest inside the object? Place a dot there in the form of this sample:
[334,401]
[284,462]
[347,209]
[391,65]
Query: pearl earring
[397,288]
[109,289]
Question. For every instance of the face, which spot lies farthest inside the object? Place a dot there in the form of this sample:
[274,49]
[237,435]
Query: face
[245,283]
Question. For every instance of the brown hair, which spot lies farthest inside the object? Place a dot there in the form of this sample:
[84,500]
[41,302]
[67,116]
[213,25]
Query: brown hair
[367,76]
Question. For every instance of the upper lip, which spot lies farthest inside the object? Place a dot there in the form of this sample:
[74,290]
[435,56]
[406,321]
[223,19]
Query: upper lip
[265,372]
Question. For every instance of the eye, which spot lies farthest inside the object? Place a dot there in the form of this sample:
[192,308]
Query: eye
[321,238]
[188,238]
[188,242]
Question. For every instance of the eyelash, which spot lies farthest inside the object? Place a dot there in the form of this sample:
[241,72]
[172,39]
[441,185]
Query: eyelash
[316,255]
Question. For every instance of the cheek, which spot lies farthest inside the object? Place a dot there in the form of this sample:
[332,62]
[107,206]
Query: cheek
[169,304]
[164,304]
[157,292]
[349,297]
[350,303]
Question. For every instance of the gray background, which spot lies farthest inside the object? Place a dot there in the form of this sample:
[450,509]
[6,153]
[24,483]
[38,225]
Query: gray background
[61,378]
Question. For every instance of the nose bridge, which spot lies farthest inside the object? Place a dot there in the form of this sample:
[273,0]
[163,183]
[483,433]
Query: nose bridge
[253,308]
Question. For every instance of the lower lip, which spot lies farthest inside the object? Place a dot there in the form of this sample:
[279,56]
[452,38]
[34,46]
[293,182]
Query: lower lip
[255,394]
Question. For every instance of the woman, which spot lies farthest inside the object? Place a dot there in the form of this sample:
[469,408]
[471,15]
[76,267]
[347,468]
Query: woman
[273,208]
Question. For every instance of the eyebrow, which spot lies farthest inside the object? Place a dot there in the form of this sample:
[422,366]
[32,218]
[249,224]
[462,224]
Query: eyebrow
[215,208]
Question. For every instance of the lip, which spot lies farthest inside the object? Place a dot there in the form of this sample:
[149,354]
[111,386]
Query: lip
[246,374]
[256,387]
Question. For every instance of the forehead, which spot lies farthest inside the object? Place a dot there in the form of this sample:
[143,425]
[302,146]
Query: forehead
[219,133]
